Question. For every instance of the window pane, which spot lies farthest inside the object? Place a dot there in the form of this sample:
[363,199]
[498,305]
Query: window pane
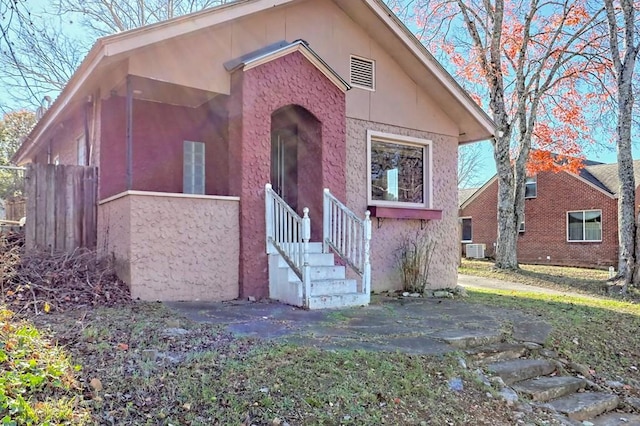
[193,168]
[531,187]
[397,172]
[592,225]
[467,232]
[576,226]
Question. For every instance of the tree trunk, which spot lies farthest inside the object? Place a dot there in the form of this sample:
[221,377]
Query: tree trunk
[624,62]
[506,243]
[626,205]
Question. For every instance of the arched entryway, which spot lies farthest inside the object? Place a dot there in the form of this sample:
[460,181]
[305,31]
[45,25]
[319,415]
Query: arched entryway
[296,161]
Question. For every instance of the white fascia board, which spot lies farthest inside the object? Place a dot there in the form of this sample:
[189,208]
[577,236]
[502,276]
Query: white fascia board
[433,65]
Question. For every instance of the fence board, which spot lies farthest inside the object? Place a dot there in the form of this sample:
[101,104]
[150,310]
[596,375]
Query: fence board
[41,206]
[61,218]
[61,207]
[30,225]
[68,211]
[50,228]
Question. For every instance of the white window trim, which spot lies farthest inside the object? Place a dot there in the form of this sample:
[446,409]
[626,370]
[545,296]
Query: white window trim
[373,73]
[462,229]
[583,230]
[522,227]
[427,171]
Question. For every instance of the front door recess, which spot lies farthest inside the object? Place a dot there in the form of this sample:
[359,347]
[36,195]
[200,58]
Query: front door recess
[284,164]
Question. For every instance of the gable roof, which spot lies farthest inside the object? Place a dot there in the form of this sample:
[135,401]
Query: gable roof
[372,15]
[606,175]
[280,49]
[601,176]
[464,194]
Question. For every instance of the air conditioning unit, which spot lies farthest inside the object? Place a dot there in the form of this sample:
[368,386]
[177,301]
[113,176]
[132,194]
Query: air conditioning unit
[475,251]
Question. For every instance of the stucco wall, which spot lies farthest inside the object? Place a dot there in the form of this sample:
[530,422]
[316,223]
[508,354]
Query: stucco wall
[159,131]
[329,31]
[114,234]
[180,248]
[388,236]
[257,93]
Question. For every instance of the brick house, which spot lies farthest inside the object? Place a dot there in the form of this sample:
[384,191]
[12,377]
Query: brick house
[570,219]
[225,138]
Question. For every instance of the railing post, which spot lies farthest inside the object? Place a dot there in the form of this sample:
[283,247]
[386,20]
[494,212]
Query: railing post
[326,220]
[306,269]
[268,215]
[366,276]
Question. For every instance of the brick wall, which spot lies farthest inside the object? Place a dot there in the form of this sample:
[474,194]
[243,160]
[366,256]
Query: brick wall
[546,222]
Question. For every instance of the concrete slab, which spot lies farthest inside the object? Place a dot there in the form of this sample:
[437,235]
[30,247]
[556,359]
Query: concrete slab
[388,324]
[547,388]
[616,419]
[463,339]
[584,406]
[516,370]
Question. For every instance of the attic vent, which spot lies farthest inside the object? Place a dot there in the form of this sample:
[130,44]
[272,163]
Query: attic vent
[362,73]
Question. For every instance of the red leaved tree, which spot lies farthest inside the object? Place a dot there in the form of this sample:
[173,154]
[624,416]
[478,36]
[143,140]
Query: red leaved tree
[528,58]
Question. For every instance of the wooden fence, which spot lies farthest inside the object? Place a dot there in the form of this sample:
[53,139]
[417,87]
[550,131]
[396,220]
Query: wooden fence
[15,208]
[61,207]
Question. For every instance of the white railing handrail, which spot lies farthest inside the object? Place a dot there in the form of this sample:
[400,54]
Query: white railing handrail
[348,236]
[289,235]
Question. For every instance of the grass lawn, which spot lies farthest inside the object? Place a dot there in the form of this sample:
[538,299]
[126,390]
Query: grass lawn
[600,332]
[581,280]
[140,364]
[137,369]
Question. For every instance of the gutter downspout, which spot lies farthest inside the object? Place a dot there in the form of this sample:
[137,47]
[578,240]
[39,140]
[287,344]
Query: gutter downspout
[129,141]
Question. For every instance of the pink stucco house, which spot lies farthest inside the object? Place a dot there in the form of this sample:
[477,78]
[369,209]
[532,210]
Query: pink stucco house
[188,120]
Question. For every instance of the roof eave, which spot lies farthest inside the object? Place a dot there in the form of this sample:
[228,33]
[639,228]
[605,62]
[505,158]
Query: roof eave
[478,192]
[87,66]
[423,54]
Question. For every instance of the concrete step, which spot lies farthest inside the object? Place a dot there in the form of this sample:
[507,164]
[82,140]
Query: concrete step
[315,259]
[616,419]
[547,388]
[339,300]
[464,339]
[323,272]
[496,352]
[517,370]
[313,247]
[585,405]
[333,287]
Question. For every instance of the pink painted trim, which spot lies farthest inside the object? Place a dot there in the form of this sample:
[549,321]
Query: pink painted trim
[405,213]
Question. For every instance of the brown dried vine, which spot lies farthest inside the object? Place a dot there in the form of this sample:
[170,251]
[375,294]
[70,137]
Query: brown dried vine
[38,281]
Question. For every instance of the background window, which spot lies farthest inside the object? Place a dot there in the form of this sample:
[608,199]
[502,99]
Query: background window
[531,187]
[584,225]
[82,151]
[467,230]
[399,172]
[522,228]
[193,168]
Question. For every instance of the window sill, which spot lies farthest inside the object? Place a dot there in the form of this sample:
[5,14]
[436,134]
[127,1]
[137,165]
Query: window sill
[405,213]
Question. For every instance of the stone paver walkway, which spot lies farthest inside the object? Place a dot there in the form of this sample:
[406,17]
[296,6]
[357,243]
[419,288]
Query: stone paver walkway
[411,325]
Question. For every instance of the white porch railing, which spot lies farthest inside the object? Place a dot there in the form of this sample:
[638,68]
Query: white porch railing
[289,235]
[348,236]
